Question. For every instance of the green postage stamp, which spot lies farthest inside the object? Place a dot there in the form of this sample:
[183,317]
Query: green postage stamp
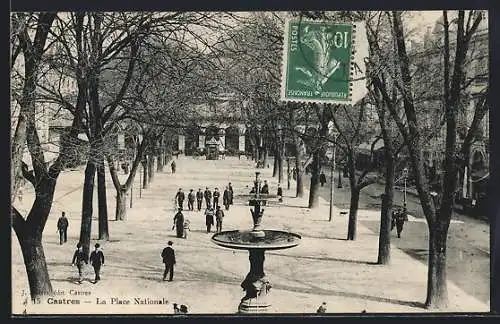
[317,61]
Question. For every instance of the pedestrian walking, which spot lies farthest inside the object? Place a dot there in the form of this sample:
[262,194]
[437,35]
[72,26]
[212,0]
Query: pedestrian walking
[208,197]
[179,223]
[97,260]
[401,217]
[216,196]
[219,216]
[62,228]
[230,187]
[322,178]
[294,174]
[191,200]
[79,259]
[265,188]
[280,193]
[226,198]
[209,218]
[173,166]
[168,256]
[179,198]
[199,198]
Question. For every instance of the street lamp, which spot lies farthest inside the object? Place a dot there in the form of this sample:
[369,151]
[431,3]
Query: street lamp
[405,176]
[339,184]
[332,175]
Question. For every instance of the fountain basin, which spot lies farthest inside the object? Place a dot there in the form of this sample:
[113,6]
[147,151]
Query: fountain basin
[246,240]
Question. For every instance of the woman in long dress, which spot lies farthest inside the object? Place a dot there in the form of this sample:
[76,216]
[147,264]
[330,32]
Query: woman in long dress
[179,223]
[209,218]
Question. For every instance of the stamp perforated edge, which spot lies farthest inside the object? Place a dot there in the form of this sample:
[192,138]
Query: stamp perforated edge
[284,63]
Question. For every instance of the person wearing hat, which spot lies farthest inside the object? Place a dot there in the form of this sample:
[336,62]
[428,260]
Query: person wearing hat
[216,196]
[79,259]
[168,256]
[226,198]
[179,198]
[97,260]
[219,216]
[230,188]
[199,198]
[265,188]
[208,197]
[191,200]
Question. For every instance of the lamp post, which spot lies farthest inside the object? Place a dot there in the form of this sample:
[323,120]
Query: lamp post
[339,184]
[405,175]
[332,175]
[288,173]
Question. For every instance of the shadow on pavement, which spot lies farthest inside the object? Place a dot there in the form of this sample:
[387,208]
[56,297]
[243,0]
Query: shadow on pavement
[320,291]
[324,258]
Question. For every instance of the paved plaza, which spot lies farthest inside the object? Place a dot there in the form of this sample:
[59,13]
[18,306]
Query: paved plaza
[323,268]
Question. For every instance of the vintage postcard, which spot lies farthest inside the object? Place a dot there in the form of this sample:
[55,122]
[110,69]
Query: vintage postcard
[246,163]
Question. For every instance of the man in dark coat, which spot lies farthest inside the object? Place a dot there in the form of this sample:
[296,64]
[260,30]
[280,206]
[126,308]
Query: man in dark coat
[179,223]
[168,256]
[97,260]
[179,198]
[401,217]
[191,199]
[230,187]
[219,216]
[322,178]
[226,198]
[173,166]
[265,188]
[216,197]
[62,228]
[208,197]
[280,193]
[199,198]
[79,259]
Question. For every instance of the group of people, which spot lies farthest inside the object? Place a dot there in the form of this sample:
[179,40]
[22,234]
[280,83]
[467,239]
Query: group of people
[212,208]
[211,198]
[80,258]
[96,260]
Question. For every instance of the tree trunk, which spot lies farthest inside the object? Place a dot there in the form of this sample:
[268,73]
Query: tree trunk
[314,190]
[102,202]
[353,213]
[280,166]
[265,157]
[299,190]
[121,205]
[87,208]
[144,174]
[159,163]
[151,162]
[275,164]
[437,292]
[36,267]
[384,241]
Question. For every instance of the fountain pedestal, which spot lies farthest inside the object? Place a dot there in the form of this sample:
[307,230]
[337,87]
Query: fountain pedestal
[255,285]
[256,241]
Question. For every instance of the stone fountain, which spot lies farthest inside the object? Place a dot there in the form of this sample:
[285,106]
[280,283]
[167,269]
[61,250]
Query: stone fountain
[256,241]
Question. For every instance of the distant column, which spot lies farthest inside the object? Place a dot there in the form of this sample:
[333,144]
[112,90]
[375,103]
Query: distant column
[182,143]
[222,139]
[201,139]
